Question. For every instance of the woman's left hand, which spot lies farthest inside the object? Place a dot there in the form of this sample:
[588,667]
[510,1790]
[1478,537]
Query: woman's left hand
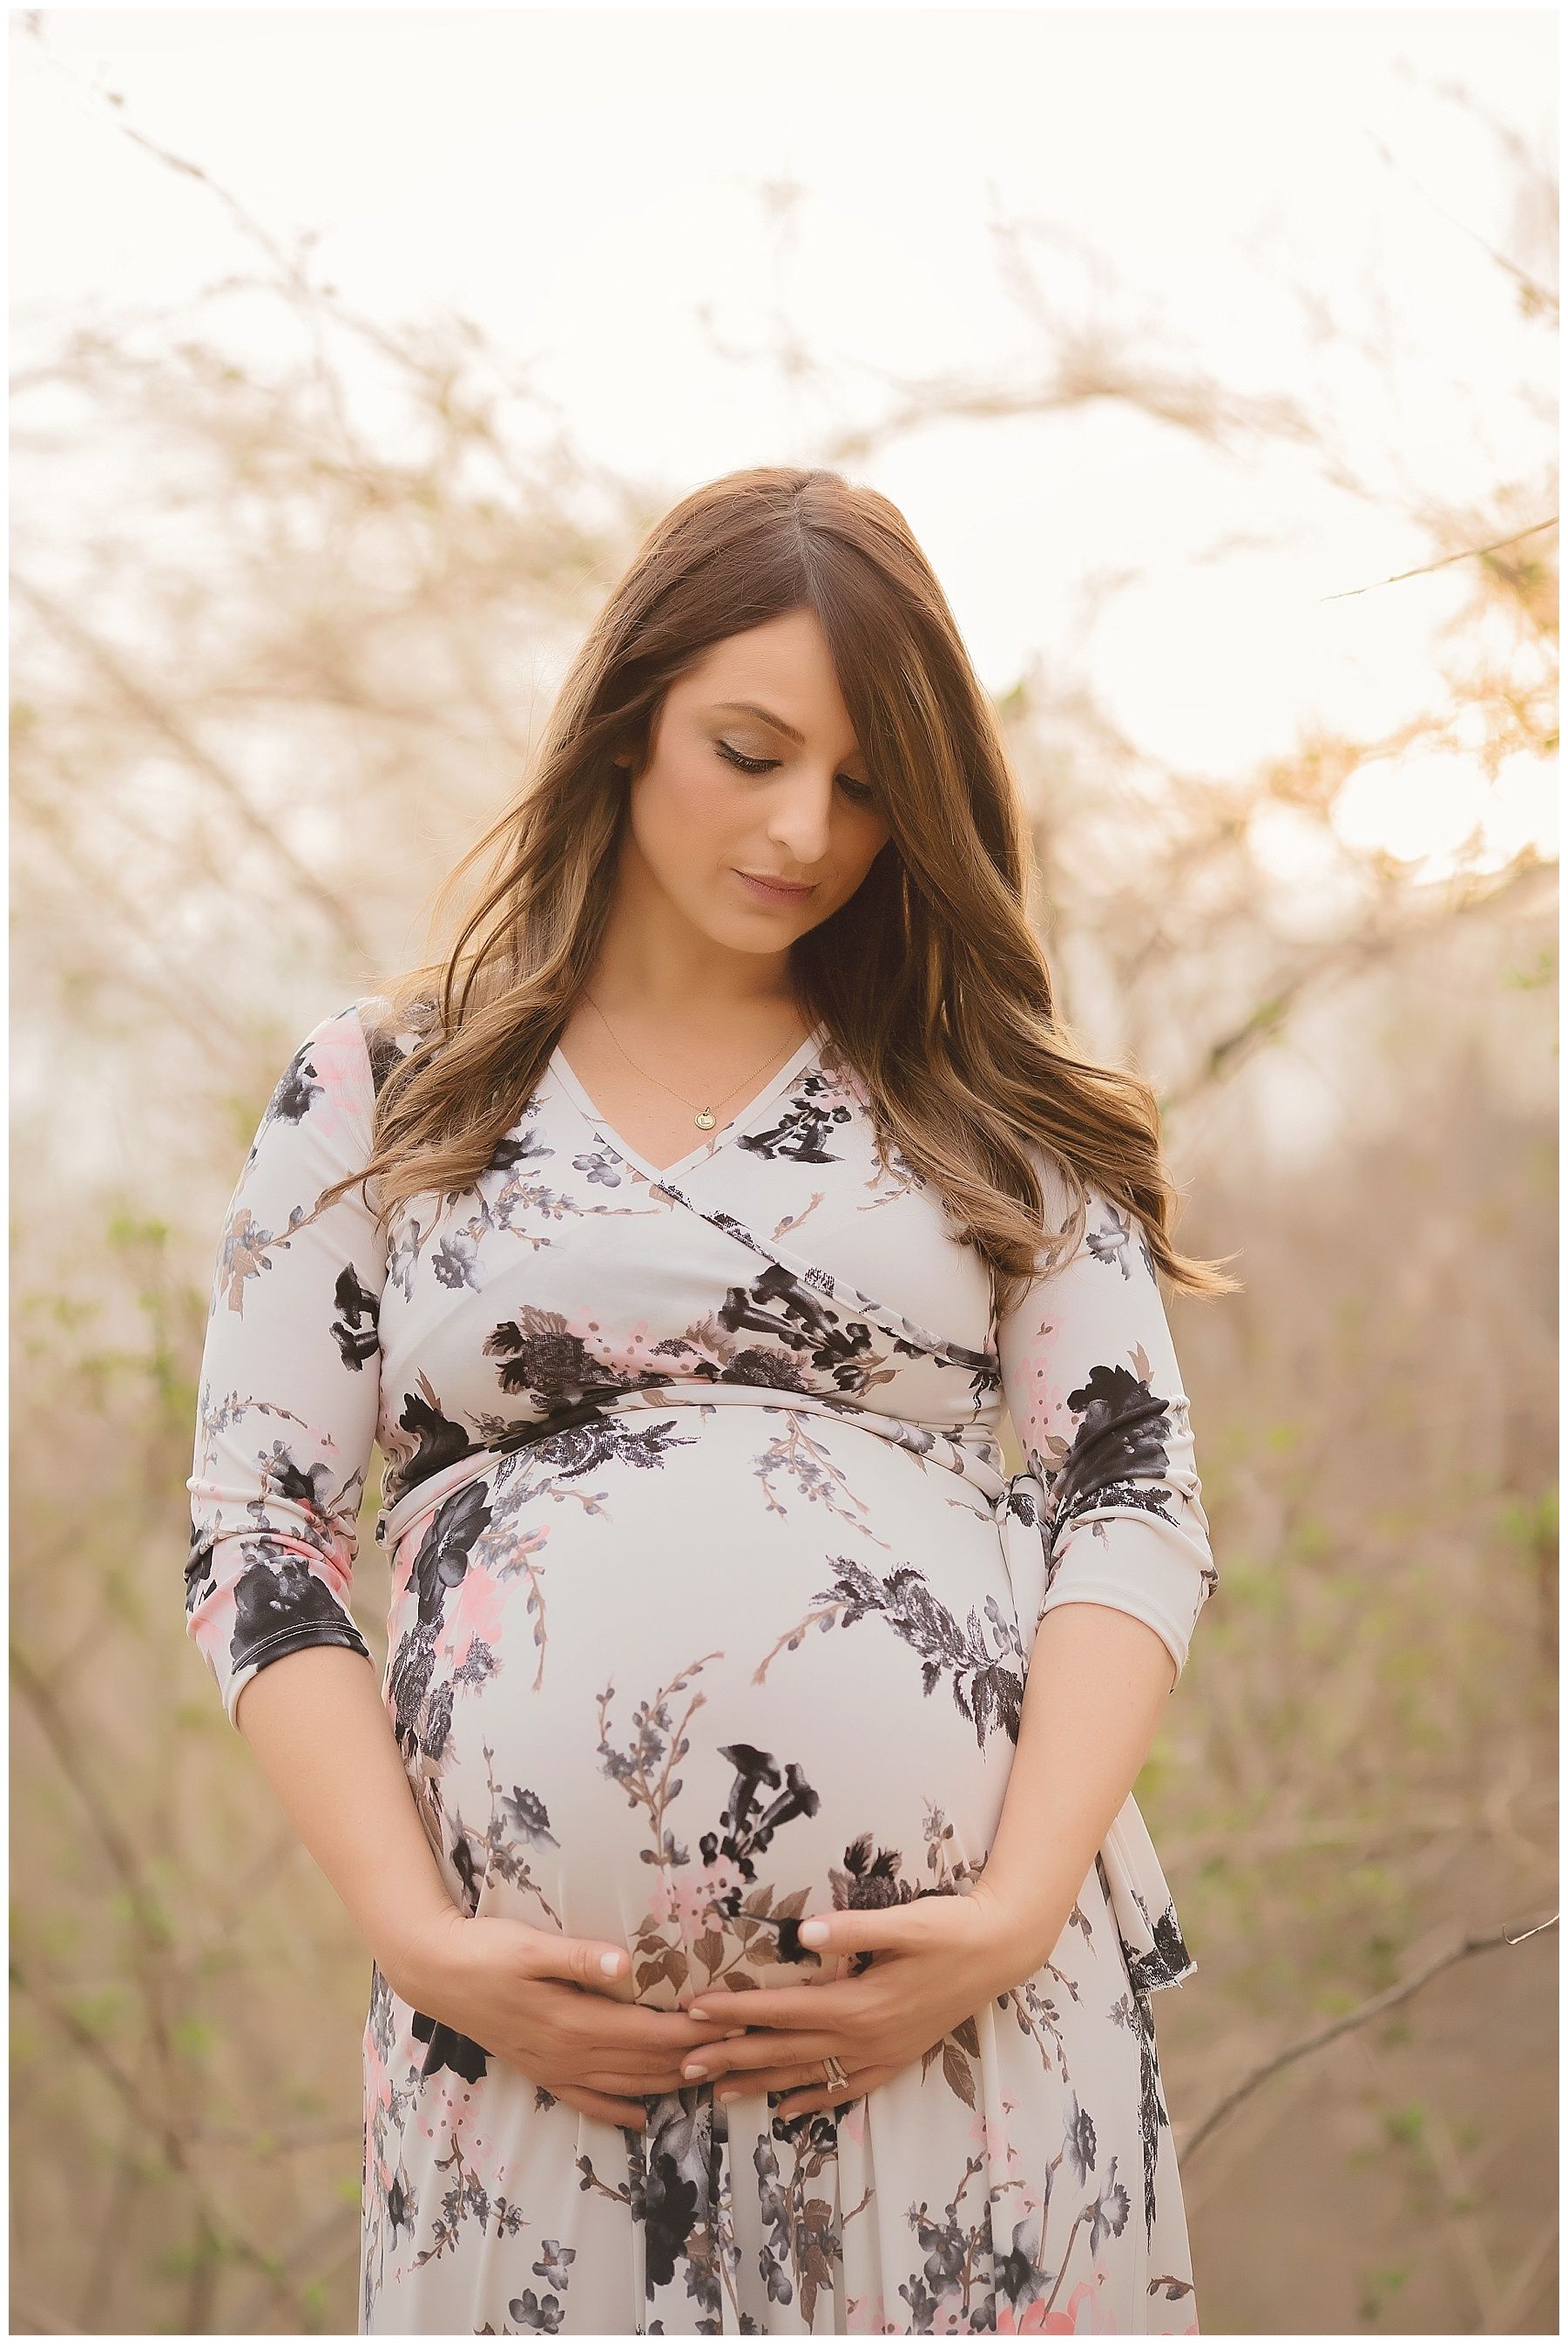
[940,1959]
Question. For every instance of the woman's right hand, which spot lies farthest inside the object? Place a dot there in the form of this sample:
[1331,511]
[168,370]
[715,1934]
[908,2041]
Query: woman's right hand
[541,2003]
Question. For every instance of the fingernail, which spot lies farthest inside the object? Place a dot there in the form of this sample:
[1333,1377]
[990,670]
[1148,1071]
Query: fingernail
[732,2034]
[730,2095]
[693,2012]
[813,1933]
[694,2069]
[610,1964]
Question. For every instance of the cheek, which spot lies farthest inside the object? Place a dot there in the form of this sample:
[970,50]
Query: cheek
[683,811]
[861,845]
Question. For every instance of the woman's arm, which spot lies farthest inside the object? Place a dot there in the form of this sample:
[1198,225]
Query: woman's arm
[1095,1392]
[288,1400]
[1099,1683]
[289,1384]
[286,1424]
[321,1735]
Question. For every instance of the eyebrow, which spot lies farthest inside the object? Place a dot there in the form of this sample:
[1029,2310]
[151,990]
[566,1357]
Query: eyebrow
[751,707]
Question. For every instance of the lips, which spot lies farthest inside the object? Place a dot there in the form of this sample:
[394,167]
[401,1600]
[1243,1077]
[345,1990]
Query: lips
[778,890]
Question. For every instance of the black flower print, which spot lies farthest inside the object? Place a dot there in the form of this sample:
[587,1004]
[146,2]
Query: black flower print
[801,1134]
[1121,1436]
[296,1091]
[443,1553]
[747,1825]
[437,1443]
[600,1166]
[517,1147]
[986,1683]
[281,1606]
[528,1818]
[456,1260]
[543,1358]
[354,1329]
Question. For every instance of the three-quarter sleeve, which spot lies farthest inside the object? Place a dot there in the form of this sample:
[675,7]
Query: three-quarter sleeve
[1091,1382]
[290,1385]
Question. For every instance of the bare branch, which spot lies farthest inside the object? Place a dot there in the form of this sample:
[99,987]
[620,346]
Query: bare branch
[1363,2013]
[1422,570]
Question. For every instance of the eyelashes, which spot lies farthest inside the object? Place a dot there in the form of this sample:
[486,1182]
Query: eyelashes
[861,792]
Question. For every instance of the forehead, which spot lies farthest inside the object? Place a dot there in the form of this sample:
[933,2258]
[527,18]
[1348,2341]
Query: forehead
[781,674]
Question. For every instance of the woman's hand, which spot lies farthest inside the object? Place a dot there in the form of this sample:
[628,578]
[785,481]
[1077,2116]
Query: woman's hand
[940,1959]
[545,2004]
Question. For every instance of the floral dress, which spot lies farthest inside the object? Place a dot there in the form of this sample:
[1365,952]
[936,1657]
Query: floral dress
[711,1605]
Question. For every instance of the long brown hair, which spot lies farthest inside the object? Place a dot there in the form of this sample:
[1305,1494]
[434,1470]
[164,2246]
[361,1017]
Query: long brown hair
[930,980]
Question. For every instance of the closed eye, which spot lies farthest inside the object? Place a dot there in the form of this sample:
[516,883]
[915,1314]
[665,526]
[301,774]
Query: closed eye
[862,792]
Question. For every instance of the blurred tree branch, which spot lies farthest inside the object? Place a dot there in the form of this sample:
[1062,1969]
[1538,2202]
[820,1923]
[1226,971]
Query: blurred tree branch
[1362,2015]
[1425,568]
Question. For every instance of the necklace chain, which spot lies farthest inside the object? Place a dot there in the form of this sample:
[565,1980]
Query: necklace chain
[704,1117]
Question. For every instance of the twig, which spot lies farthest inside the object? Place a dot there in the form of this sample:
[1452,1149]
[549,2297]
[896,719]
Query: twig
[1363,2013]
[1530,287]
[1470,553]
[200,759]
[327,2132]
[1338,958]
[1464,2225]
[1511,2308]
[177,2148]
[335,2229]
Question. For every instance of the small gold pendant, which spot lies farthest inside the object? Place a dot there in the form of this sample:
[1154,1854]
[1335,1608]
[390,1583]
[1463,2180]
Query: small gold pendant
[704,1118]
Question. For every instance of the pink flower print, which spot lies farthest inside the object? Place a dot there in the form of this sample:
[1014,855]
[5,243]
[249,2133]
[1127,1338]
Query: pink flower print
[1082,2314]
[1047,1403]
[991,2135]
[1031,2321]
[325,1079]
[694,1894]
[635,1354]
[662,1903]
[852,2127]
[474,1610]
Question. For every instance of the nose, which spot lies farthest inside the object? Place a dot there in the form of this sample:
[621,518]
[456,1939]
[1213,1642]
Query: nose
[801,818]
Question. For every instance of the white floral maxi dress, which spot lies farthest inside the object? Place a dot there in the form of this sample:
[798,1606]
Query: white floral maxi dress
[711,1606]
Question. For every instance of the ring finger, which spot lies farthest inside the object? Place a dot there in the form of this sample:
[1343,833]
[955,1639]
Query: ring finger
[800,2078]
[747,2057]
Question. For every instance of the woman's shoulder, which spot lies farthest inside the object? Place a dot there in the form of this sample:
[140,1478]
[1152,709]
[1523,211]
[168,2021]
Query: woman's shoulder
[390,1030]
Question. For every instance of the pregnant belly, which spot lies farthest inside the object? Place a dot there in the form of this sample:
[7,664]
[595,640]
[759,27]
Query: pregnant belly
[729,1668]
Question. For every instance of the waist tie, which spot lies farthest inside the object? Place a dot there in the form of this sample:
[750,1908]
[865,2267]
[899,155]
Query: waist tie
[1129,1870]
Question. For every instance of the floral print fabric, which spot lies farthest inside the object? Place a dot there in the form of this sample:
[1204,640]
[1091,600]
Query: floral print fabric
[711,1605]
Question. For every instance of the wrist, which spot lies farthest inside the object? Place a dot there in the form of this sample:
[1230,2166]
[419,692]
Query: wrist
[1022,1931]
[416,1956]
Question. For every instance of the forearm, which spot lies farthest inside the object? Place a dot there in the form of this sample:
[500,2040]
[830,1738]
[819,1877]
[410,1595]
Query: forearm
[1098,1685]
[319,1729]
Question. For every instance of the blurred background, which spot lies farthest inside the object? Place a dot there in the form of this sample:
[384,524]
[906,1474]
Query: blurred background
[1213,357]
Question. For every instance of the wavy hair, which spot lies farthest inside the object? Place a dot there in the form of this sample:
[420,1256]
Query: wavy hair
[931,980]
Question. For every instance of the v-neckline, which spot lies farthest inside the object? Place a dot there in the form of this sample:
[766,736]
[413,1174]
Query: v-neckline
[715,1140]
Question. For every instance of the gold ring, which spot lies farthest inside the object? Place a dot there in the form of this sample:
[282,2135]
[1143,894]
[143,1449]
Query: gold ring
[834,2074]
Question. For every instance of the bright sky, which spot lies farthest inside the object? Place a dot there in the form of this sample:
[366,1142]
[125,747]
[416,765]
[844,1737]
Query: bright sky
[584,182]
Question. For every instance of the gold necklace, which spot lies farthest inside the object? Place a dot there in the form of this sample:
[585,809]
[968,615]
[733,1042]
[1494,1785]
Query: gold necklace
[704,1116]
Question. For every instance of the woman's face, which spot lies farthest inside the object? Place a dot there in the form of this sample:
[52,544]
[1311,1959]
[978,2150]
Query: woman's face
[754,774]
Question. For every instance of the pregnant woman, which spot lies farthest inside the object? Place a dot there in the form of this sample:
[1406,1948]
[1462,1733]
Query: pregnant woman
[763,1930]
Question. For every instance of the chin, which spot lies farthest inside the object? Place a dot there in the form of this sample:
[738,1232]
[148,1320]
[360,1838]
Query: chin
[749,929]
